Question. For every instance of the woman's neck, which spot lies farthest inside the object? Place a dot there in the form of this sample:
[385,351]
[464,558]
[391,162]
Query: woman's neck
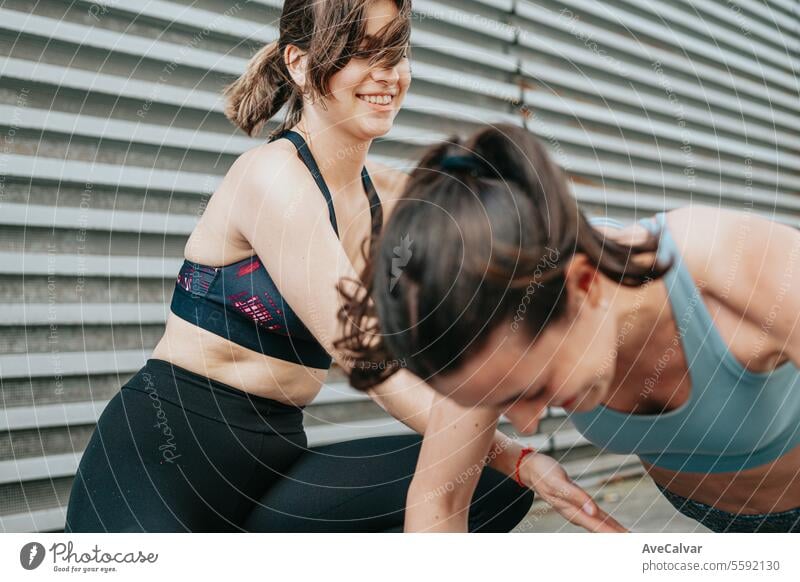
[339,155]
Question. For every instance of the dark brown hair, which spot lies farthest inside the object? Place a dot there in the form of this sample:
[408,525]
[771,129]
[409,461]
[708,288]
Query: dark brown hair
[481,225]
[330,32]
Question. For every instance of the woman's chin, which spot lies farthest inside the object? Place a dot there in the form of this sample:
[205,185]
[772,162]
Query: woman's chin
[375,126]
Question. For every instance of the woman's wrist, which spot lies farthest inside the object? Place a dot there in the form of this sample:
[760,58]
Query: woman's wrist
[504,456]
[522,455]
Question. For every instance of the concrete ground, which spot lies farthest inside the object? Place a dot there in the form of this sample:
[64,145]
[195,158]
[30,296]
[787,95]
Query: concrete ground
[635,503]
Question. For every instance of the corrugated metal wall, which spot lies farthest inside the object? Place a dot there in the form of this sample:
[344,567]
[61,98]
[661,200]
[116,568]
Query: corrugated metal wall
[114,139]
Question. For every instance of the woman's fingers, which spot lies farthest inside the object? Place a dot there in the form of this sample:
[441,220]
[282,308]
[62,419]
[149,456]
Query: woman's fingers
[601,523]
[579,508]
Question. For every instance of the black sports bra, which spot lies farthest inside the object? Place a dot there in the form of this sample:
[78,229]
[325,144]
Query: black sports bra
[241,302]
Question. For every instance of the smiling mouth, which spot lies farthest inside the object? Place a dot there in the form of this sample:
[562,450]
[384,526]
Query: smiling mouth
[377,99]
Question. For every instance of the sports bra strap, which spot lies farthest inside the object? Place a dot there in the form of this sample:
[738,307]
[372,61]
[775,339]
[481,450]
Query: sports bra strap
[311,164]
[376,212]
[375,208]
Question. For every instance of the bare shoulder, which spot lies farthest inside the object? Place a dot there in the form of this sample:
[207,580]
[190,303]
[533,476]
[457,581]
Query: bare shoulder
[721,242]
[265,169]
[271,177]
[752,267]
[741,256]
[389,182]
[267,181]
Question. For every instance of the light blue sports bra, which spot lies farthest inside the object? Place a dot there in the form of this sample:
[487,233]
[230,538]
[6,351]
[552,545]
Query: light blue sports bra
[734,419]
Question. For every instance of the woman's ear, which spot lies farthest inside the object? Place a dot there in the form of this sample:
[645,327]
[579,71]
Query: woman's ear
[296,62]
[583,284]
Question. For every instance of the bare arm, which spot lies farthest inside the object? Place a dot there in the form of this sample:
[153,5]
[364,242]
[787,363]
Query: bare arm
[771,263]
[458,443]
[756,262]
[289,230]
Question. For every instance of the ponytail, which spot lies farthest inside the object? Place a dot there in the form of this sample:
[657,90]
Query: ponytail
[258,95]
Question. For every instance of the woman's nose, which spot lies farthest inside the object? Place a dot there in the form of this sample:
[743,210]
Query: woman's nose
[386,74]
[525,415]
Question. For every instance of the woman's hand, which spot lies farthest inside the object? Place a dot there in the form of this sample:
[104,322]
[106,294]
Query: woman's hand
[550,481]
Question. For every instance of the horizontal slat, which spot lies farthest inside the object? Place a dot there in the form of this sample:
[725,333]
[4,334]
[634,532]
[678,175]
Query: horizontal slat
[31,469]
[600,143]
[708,28]
[453,78]
[40,169]
[630,82]
[45,365]
[32,215]
[789,7]
[135,132]
[82,80]
[462,19]
[35,521]
[171,13]
[677,180]
[736,17]
[123,44]
[51,415]
[713,118]
[462,50]
[688,44]
[88,265]
[109,130]
[506,5]
[646,54]
[358,429]
[773,12]
[33,314]
[618,120]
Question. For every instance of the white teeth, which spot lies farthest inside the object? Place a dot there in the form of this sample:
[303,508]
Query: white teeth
[377,99]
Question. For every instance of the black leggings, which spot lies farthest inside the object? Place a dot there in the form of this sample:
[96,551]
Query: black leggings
[175,451]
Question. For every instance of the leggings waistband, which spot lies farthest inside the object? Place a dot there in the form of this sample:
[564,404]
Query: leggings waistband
[719,520]
[213,399]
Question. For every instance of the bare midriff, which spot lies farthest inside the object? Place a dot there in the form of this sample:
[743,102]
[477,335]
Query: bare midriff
[205,353]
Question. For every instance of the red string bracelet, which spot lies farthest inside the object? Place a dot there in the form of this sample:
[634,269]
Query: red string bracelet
[526,451]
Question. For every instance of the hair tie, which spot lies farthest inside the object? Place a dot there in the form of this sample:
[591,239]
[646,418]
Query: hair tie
[471,164]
